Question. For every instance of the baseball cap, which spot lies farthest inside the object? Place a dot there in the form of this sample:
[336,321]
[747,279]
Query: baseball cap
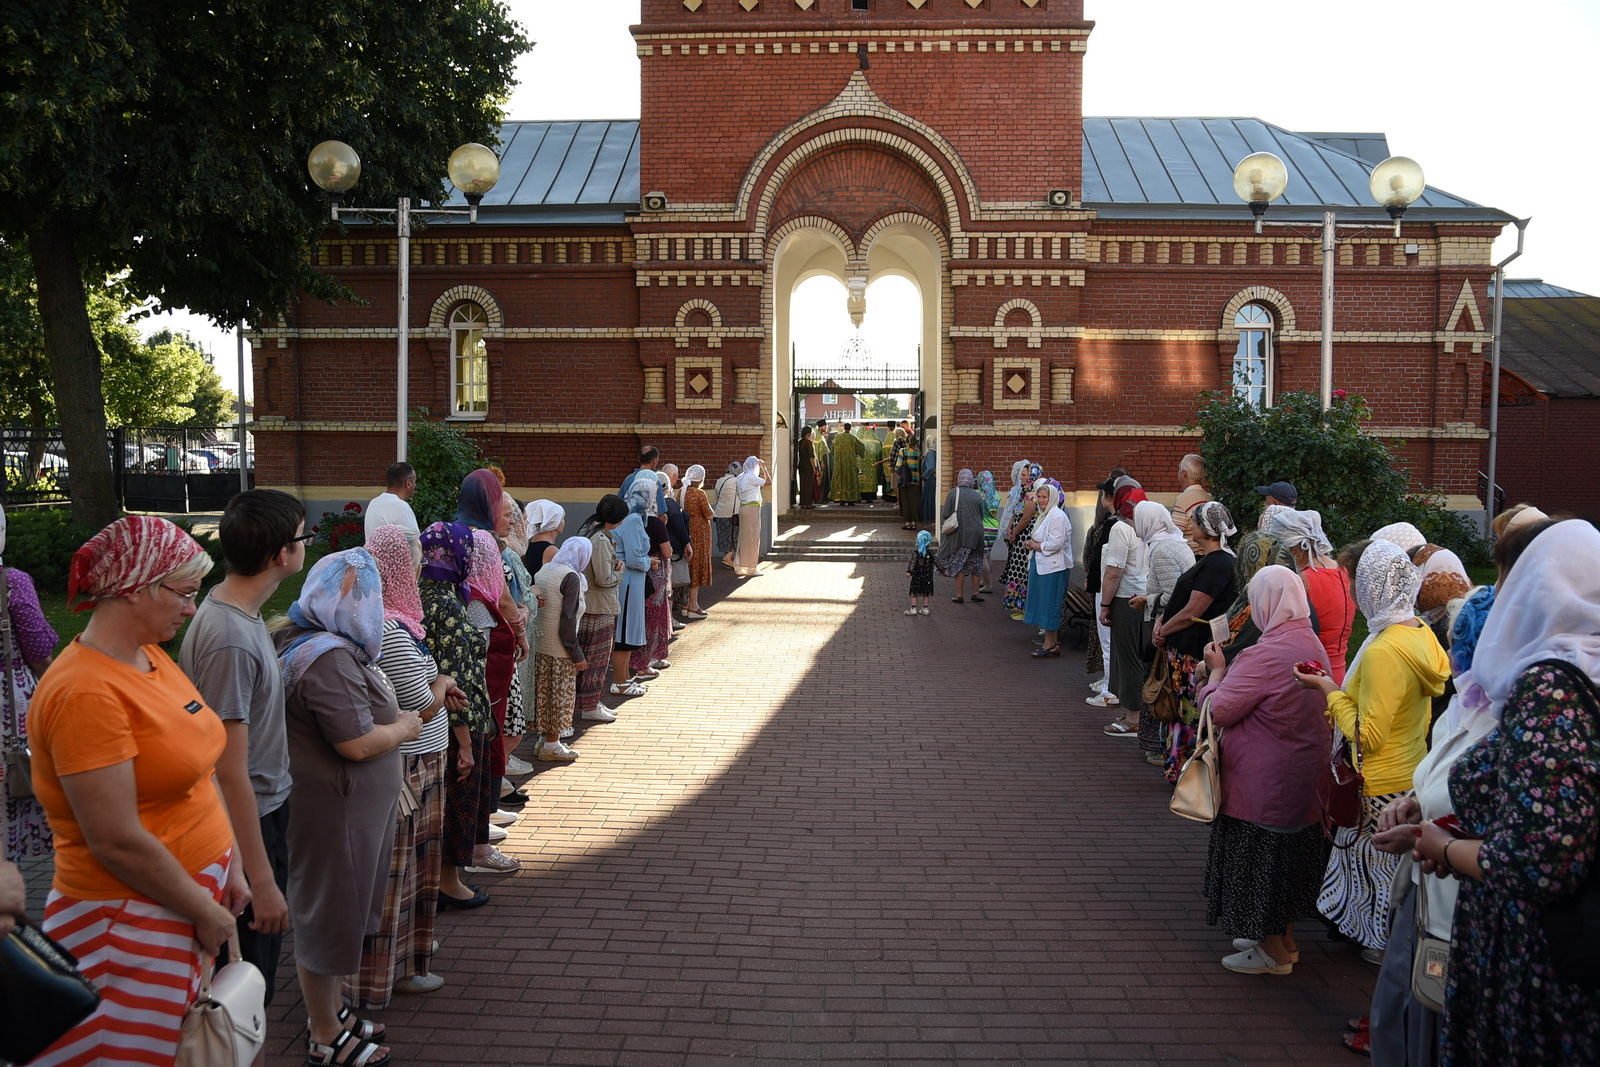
[1281,491]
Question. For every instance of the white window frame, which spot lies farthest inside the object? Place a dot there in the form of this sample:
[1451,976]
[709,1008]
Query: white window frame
[1255,325]
[469,373]
[829,398]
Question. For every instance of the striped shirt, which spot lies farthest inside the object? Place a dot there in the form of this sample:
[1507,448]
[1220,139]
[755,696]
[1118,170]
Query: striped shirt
[411,671]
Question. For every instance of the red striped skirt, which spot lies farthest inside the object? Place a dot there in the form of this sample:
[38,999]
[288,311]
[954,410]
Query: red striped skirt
[146,963]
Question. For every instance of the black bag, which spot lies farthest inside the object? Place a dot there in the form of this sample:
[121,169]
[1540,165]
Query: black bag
[649,586]
[1572,926]
[42,993]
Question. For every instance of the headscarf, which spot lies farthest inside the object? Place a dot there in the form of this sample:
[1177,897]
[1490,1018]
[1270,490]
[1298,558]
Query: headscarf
[1270,513]
[447,554]
[1403,534]
[1257,550]
[551,516]
[480,501]
[127,556]
[751,474]
[1014,495]
[1468,627]
[575,552]
[1213,520]
[533,516]
[1153,522]
[1547,607]
[1277,595]
[734,469]
[1526,517]
[340,606]
[391,551]
[1299,529]
[641,496]
[696,473]
[965,479]
[924,539]
[1055,499]
[1034,471]
[1444,579]
[1128,495]
[516,526]
[486,575]
[991,499]
[752,464]
[1386,592]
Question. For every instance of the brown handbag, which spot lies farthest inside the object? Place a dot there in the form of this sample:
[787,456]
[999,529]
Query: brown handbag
[1342,805]
[1160,698]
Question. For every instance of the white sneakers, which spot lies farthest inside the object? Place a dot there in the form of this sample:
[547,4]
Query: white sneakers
[518,766]
[496,862]
[601,713]
[497,834]
[1244,944]
[1102,700]
[501,817]
[909,611]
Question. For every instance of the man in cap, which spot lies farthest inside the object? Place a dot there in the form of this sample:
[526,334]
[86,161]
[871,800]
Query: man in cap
[1279,493]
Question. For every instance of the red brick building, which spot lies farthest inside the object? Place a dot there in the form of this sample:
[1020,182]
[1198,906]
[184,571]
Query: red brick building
[1082,279]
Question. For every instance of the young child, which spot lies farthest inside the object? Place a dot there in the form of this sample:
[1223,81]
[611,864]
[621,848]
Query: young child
[920,570]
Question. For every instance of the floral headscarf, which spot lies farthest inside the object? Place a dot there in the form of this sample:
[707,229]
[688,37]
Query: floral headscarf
[1300,529]
[125,557]
[516,526]
[924,539]
[340,606]
[991,498]
[447,554]
[391,551]
[1464,633]
[641,496]
[1212,520]
[965,479]
[486,575]
[1444,578]
[1386,592]
[480,502]
[1270,513]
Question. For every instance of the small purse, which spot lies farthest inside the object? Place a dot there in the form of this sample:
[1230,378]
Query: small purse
[42,993]
[1160,698]
[1198,794]
[1342,806]
[226,1025]
[1430,960]
[950,525]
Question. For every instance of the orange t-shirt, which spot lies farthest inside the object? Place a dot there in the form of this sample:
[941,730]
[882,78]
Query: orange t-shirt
[91,711]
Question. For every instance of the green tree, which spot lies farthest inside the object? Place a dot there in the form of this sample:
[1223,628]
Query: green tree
[881,406]
[167,139]
[1340,470]
[443,456]
[213,405]
[153,382]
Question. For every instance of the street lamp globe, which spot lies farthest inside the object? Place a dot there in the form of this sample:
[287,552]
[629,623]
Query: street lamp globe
[1259,179]
[334,166]
[473,169]
[1396,184]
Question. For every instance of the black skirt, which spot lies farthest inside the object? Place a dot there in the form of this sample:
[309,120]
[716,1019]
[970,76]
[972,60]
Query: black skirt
[1258,881]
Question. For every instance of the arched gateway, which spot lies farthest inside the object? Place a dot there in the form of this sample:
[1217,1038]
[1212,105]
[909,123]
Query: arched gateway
[634,278]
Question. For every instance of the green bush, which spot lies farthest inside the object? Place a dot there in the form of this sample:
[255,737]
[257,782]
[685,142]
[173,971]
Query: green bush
[339,530]
[443,456]
[42,541]
[1341,471]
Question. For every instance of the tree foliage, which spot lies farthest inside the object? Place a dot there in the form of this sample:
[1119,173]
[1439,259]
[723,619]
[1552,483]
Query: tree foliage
[167,139]
[1341,471]
[443,456]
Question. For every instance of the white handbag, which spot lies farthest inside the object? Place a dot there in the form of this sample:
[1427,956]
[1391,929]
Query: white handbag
[227,1023]
[1198,794]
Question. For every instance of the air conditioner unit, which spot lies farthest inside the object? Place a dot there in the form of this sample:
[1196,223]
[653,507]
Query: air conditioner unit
[655,201]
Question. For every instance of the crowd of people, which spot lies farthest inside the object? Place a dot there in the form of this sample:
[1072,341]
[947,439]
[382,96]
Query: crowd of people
[362,746]
[1442,787]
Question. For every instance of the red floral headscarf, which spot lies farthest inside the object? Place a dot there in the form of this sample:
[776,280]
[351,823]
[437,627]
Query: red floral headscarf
[127,556]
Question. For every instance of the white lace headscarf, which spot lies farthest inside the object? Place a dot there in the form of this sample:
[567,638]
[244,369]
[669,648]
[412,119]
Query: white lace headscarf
[1270,514]
[1403,534]
[1386,592]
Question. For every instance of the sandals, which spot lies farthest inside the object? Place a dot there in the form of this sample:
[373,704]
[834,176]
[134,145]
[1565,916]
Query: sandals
[1118,728]
[347,1050]
[649,674]
[362,1028]
[1046,653]
[629,689]
[1359,1042]
[956,600]
[976,599]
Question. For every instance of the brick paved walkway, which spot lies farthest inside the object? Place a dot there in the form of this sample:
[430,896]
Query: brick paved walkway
[834,833]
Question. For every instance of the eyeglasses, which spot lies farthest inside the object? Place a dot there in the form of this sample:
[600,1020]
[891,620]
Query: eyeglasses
[304,539]
[188,597]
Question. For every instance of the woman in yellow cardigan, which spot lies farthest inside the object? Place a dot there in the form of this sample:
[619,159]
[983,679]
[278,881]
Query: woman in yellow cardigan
[1386,699]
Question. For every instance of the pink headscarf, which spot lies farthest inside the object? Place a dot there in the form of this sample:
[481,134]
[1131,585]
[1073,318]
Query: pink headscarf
[1277,596]
[391,550]
[486,576]
[125,557]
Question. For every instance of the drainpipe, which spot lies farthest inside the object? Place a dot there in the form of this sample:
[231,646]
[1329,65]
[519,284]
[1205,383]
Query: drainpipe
[1494,375]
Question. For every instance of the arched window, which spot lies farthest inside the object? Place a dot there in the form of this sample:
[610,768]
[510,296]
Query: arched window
[1252,359]
[469,363]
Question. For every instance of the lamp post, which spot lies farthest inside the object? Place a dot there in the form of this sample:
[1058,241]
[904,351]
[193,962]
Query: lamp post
[335,167]
[1396,183]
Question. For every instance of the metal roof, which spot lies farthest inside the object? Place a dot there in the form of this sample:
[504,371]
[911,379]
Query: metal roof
[564,173]
[1372,147]
[1553,342]
[1525,288]
[1173,168]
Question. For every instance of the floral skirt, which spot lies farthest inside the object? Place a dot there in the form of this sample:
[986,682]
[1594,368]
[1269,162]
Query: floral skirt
[555,680]
[1176,739]
[1355,887]
[960,561]
[657,621]
[1258,881]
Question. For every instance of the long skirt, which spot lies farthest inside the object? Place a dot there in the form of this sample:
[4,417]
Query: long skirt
[555,679]
[1015,577]
[1045,592]
[145,962]
[1355,889]
[23,828]
[657,621]
[1258,881]
[499,672]
[1128,667]
[748,561]
[722,533]
[403,945]
[468,802]
[911,503]
[1177,738]
[597,634]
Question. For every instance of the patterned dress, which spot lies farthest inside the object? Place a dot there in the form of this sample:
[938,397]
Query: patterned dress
[698,508]
[23,830]
[1015,576]
[1531,789]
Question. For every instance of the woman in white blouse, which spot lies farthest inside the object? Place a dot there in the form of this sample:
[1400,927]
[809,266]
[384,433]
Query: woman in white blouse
[1048,569]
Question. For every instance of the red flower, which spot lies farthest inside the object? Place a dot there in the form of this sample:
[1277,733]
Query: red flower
[352,506]
[1338,394]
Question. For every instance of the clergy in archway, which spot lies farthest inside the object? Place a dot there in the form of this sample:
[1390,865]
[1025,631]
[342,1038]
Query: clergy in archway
[871,456]
[846,466]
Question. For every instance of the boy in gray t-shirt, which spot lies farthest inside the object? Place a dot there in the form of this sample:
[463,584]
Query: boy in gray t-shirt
[231,660]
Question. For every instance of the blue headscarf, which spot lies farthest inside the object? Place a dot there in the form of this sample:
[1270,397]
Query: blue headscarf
[642,495]
[340,606]
[482,497]
[924,539]
[1468,625]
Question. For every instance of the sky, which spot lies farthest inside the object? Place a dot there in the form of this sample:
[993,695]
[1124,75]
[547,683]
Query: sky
[1491,99]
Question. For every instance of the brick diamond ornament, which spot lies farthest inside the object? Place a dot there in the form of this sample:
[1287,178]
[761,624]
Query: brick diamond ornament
[804,5]
[749,5]
[698,383]
[1016,383]
[693,5]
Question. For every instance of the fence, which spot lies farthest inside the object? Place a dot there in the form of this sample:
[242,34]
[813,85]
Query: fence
[174,469]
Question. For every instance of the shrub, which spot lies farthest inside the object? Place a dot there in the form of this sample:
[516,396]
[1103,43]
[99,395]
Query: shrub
[339,530]
[1341,471]
[443,456]
[42,541]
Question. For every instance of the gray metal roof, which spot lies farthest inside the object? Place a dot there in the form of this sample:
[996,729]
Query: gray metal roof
[1553,342]
[1372,147]
[564,173]
[1535,288]
[1174,168]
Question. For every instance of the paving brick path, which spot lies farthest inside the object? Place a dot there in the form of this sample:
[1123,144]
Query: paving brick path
[833,833]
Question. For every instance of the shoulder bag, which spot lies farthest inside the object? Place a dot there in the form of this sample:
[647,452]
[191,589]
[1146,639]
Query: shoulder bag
[226,1025]
[1572,926]
[1159,695]
[1342,805]
[1198,794]
[953,523]
[1430,959]
[42,993]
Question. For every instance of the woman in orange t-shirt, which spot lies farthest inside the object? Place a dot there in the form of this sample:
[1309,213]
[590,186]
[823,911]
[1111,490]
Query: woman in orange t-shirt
[124,752]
